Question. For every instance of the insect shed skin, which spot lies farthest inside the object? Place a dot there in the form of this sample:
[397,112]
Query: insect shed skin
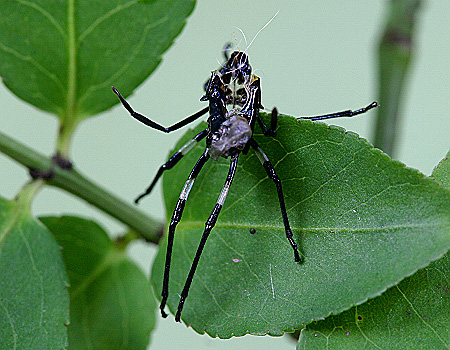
[234,102]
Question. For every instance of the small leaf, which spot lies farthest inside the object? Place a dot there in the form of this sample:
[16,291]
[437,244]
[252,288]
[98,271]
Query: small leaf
[442,171]
[34,301]
[63,57]
[111,302]
[363,222]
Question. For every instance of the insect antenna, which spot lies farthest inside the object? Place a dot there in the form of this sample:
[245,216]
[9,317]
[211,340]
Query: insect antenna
[247,45]
[265,25]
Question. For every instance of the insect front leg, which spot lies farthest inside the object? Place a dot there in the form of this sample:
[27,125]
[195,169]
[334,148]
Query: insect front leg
[173,160]
[274,177]
[144,120]
[176,217]
[210,223]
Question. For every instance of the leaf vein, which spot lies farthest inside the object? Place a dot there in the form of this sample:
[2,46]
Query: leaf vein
[46,14]
[38,273]
[34,63]
[364,335]
[421,318]
[103,18]
[126,65]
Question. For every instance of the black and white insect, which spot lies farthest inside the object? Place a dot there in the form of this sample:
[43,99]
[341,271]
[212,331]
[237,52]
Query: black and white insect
[234,97]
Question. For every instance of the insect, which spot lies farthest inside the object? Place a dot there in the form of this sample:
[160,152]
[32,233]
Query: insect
[234,103]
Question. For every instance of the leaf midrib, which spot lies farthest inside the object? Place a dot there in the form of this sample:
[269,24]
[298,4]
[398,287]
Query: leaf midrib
[9,224]
[72,57]
[111,257]
[340,229]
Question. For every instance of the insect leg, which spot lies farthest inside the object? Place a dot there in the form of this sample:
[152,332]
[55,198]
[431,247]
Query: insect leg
[347,113]
[273,123]
[256,105]
[176,217]
[223,67]
[144,120]
[208,227]
[173,160]
[274,177]
[226,51]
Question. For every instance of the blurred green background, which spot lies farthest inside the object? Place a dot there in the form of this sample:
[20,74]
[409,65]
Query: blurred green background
[314,58]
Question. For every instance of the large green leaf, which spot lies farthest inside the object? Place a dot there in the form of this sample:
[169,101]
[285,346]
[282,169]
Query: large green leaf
[415,314]
[111,302]
[34,301]
[63,56]
[363,221]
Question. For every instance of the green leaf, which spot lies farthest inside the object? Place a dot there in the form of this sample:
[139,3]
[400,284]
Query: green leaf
[442,171]
[63,57]
[416,311]
[414,314]
[363,222]
[111,302]
[147,1]
[34,301]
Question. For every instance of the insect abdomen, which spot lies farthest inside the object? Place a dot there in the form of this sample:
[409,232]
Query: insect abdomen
[230,138]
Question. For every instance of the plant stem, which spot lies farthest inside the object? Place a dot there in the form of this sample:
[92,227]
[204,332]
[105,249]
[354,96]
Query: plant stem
[75,183]
[395,53]
[122,241]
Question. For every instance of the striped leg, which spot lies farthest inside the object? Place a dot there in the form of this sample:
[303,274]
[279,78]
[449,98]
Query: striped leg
[274,177]
[208,227]
[173,160]
[176,217]
[347,113]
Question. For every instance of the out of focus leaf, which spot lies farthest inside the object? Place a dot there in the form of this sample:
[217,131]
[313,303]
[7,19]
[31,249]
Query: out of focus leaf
[111,302]
[34,301]
[63,57]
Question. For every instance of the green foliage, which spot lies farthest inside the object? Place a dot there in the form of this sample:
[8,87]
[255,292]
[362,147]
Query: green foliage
[111,302]
[368,227]
[356,214]
[412,314]
[63,57]
[34,302]
[88,46]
